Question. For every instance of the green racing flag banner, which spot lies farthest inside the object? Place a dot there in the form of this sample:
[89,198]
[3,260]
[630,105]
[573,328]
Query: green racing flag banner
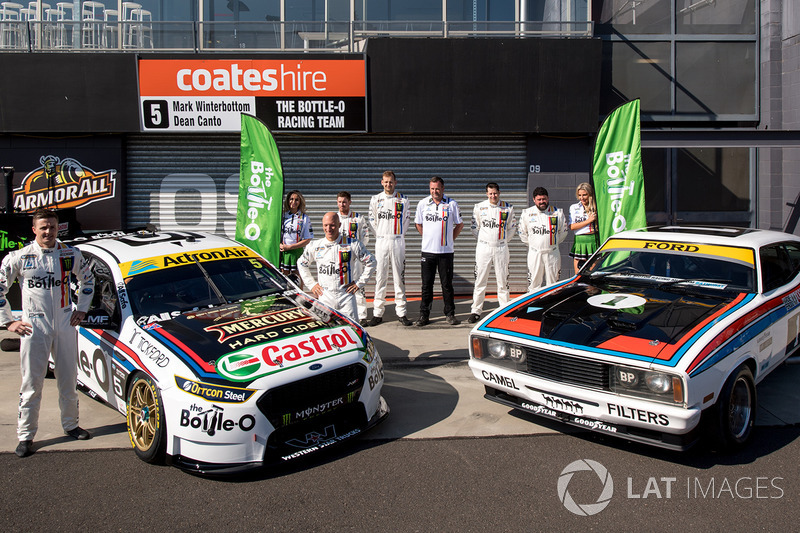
[258,215]
[617,172]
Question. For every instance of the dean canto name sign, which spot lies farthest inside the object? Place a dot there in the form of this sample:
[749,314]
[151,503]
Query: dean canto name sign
[288,94]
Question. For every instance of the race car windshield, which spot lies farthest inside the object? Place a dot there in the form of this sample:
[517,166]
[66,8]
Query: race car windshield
[188,287]
[693,270]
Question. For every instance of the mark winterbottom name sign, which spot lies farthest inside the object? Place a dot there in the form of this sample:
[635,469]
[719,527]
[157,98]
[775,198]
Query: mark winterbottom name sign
[288,94]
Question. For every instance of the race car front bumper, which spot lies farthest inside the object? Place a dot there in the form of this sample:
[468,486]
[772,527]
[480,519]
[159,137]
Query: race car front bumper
[653,423]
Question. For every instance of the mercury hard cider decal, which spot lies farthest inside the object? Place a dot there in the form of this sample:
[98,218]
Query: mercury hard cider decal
[291,94]
[744,256]
[248,365]
[246,325]
[63,183]
[138,266]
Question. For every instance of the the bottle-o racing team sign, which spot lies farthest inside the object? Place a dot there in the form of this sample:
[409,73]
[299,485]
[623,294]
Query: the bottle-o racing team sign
[287,94]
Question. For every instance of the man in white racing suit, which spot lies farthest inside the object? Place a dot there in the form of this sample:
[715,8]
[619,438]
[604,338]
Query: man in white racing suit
[354,227]
[335,285]
[389,216]
[493,223]
[542,227]
[47,326]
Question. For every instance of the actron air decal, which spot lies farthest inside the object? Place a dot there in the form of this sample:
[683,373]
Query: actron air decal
[132,268]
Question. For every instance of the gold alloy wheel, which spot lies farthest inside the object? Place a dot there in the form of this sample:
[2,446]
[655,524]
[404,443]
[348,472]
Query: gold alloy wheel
[142,415]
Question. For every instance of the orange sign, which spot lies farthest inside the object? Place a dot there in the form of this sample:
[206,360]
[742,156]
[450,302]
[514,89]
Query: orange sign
[252,77]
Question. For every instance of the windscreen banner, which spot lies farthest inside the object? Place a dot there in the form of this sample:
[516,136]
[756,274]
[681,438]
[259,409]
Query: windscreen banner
[258,216]
[617,172]
[302,94]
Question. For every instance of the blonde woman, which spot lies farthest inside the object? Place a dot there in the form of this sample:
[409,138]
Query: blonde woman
[583,221]
[296,233]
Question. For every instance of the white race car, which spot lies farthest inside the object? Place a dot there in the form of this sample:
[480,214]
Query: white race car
[218,362]
[660,329]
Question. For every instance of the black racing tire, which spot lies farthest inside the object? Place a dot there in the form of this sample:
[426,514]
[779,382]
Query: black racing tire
[736,410]
[147,426]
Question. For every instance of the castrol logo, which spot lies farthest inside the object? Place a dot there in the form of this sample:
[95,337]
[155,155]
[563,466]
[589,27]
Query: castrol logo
[287,353]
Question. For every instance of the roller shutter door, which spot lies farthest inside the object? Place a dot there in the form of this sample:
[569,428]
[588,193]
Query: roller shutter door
[190,182]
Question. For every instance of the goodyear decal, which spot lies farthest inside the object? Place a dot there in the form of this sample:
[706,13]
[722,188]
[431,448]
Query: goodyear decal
[132,268]
[214,393]
[745,256]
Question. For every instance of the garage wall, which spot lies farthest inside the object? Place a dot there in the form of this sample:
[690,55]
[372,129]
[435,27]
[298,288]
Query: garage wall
[190,182]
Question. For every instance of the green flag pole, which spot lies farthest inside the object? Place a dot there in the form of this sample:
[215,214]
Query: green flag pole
[258,215]
[617,172]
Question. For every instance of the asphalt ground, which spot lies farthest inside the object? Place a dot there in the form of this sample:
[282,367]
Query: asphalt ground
[429,388]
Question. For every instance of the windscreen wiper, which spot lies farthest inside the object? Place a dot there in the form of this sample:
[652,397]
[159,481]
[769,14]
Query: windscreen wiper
[217,292]
[702,283]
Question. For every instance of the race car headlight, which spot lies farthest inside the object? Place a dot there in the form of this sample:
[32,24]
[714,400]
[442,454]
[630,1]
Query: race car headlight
[497,349]
[657,382]
[369,351]
[498,352]
[646,384]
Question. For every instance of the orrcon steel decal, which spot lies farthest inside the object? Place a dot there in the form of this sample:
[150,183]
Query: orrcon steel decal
[247,365]
[63,183]
[214,393]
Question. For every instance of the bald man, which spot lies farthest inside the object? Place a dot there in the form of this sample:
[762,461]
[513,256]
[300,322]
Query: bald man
[336,260]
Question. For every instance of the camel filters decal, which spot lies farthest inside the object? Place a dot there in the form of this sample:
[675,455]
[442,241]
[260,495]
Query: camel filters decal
[63,183]
[271,358]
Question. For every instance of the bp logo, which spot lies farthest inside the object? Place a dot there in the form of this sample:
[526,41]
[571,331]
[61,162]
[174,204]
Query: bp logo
[585,509]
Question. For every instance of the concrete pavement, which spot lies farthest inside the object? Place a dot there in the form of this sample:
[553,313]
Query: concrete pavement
[428,386]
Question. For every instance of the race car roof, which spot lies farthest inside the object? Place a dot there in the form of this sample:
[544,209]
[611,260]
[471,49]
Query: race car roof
[719,235]
[140,245]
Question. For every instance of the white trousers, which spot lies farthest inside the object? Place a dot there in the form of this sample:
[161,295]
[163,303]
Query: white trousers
[361,294]
[342,301]
[390,252]
[61,340]
[543,265]
[486,256]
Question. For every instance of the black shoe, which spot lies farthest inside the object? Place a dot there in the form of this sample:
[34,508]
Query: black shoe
[365,322]
[78,433]
[473,318]
[24,448]
[452,320]
[422,321]
[403,320]
[376,320]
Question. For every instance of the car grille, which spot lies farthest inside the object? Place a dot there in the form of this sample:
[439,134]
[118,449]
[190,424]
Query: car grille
[567,369]
[311,397]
